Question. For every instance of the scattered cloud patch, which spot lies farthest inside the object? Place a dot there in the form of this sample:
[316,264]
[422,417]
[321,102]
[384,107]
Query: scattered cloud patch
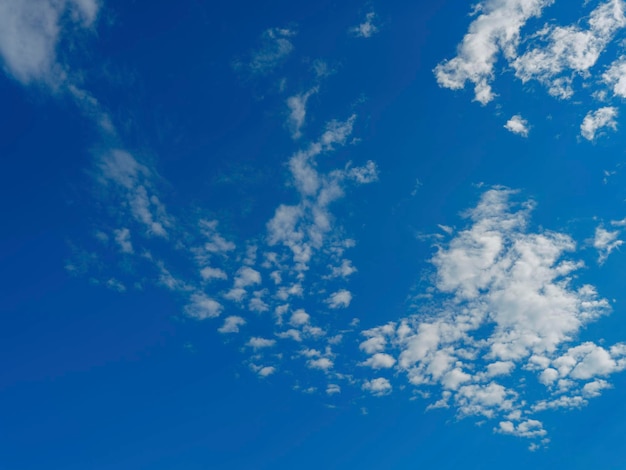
[378,387]
[605,242]
[517,125]
[366,29]
[340,299]
[507,300]
[597,120]
[232,324]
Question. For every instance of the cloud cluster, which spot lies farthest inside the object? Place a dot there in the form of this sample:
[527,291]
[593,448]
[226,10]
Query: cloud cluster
[507,301]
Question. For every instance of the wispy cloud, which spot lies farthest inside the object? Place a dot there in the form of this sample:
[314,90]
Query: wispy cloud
[597,120]
[30,31]
[367,28]
[275,47]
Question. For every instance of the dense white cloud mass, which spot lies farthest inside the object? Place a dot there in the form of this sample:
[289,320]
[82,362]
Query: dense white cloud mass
[496,30]
[517,125]
[597,120]
[30,31]
[508,303]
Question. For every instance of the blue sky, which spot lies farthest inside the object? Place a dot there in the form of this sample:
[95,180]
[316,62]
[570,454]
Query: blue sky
[243,235]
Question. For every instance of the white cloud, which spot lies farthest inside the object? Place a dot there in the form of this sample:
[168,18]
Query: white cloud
[263,371]
[571,49]
[517,125]
[379,386]
[605,242]
[202,307]
[246,276]
[297,111]
[505,300]
[367,28]
[332,389]
[615,77]
[380,361]
[209,274]
[260,343]
[496,30]
[323,363]
[340,299]
[299,318]
[232,324]
[30,31]
[596,120]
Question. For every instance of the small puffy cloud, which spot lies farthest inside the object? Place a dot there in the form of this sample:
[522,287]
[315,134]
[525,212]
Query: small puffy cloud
[202,307]
[232,324]
[210,274]
[340,299]
[246,276]
[333,389]
[323,363]
[378,387]
[615,77]
[517,125]
[299,318]
[260,343]
[380,361]
[367,28]
[263,371]
[605,242]
[596,120]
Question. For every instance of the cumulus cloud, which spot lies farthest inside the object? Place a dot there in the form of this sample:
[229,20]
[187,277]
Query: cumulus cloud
[340,299]
[506,300]
[378,387]
[517,125]
[232,324]
[495,31]
[367,28]
[201,307]
[597,120]
[260,343]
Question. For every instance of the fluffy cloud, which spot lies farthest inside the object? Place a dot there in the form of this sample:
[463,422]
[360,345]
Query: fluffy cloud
[378,387]
[507,301]
[202,307]
[340,299]
[232,324]
[571,49]
[495,30]
[30,31]
[517,125]
[596,120]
